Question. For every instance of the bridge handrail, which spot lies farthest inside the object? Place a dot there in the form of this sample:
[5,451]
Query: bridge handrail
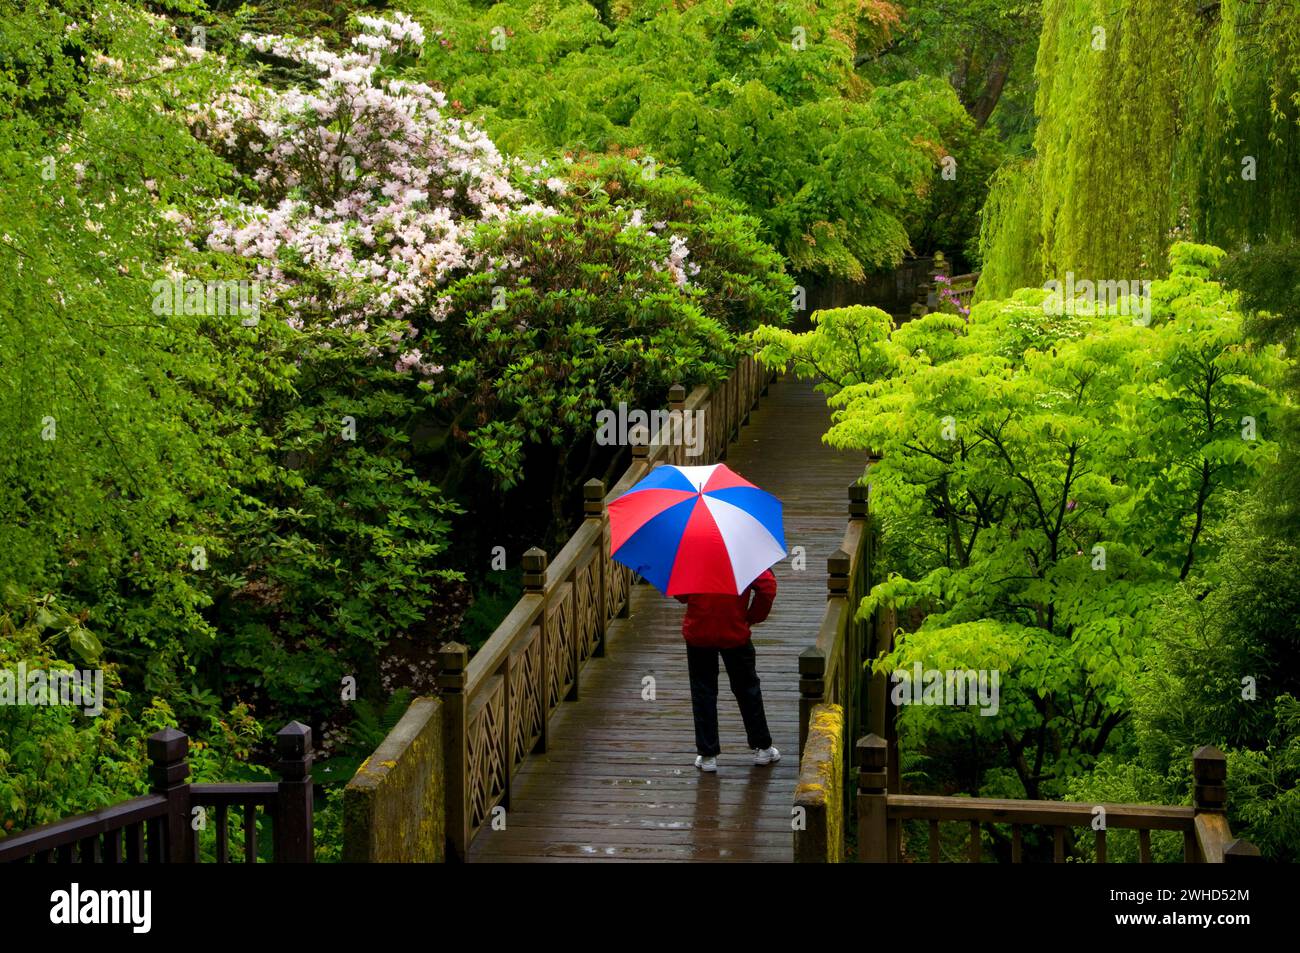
[1207,837]
[830,668]
[498,705]
[832,682]
[157,827]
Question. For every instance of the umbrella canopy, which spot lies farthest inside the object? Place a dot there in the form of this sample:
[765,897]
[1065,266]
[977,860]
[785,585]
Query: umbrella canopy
[696,529]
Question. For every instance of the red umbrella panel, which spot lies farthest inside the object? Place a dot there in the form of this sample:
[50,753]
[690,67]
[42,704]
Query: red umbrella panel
[696,530]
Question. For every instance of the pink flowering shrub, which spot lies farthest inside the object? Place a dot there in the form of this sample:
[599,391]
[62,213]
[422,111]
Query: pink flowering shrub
[948,299]
[367,191]
[454,319]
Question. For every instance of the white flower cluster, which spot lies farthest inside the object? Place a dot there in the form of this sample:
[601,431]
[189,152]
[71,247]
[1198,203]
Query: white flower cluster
[378,190]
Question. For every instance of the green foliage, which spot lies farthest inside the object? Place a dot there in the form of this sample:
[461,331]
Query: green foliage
[1221,670]
[1051,474]
[599,304]
[730,94]
[234,517]
[327,822]
[1129,159]
[985,50]
[1267,277]
[847,346]
[57,759]
[1010,241]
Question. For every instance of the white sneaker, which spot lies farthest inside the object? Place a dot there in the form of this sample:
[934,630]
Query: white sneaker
[766,755]
[706,764]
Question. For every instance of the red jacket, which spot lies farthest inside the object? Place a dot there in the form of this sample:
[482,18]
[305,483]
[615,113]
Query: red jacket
[723,621]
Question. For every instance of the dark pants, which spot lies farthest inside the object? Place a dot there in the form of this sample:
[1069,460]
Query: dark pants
[703,667]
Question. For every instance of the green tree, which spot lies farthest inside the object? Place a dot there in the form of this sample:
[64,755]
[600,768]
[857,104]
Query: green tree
[1050,472]
[758,102]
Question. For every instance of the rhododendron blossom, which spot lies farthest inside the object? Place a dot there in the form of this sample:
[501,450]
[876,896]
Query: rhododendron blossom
[366,187]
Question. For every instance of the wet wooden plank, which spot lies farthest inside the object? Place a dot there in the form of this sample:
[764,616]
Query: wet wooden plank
[618,783]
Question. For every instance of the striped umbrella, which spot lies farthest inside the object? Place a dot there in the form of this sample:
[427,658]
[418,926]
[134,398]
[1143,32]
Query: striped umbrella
[696,530]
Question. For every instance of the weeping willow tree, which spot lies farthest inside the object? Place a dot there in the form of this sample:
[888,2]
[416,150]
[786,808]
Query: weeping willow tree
[1157,120]
[1248,107]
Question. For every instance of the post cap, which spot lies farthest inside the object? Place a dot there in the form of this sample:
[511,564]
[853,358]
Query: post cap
[873,753]
[812,662]
[168,745]
[453,656]
[293,741]
[1209,765]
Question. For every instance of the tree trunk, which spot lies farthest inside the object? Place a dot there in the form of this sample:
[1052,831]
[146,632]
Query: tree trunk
[988,100]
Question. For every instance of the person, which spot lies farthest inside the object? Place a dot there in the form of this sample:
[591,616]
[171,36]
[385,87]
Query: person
[719,625]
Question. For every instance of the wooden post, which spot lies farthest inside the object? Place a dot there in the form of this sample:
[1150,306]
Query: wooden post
[535,570]
[535,582]
[745,370]
[451,682]
[847,663]
[873,801]
[812,688]
[1210,799]
[1210,773]
[859,642]
[838,564]
[169,776]
[676,424]
[858,502]
[293,822]
[639,438]
[593,508]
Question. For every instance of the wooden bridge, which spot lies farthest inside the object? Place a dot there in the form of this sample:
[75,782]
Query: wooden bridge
[568,736]
[617,780]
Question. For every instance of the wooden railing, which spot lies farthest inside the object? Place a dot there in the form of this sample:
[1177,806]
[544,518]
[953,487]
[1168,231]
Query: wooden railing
[160,826]
[831,670]
[500,702]
[962,288]
[832,673]
[1207,837]
[929,293]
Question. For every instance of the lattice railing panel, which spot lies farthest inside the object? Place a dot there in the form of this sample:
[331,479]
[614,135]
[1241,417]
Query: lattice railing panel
[587,607]
[526,695]
[560,634]
[486,744]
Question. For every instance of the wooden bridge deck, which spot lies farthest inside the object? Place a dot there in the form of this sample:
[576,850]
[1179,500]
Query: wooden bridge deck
[618,781]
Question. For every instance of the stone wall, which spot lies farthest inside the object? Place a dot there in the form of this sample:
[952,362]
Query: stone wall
[820,791]
[393,809]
